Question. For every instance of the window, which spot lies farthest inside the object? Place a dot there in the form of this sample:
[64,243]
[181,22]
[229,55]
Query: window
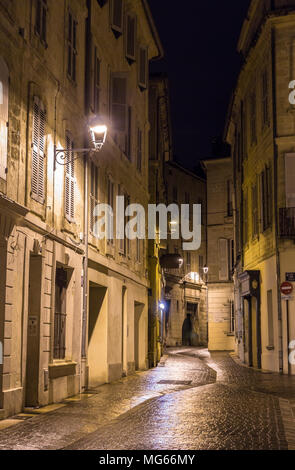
[111,204]
[265,110]
[38,151]
[188,262]
[122,242]
[255,219]
[131,38]
[232,316]
[72,47]
[96,82]
[117,16]
[253,118]
[270,319]
[4,78]
[61,283]
[231,257]
[266,198]
[93,194]
[139,150]
[245,225]
[119,103]
[129,134]
[70,180]
[174,194]
[229,199]
[41,19]
[223,259]
[143,67]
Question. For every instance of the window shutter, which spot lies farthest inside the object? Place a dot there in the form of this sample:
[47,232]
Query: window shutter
[290,179]
[143,67]
[119,106]
[38,151]
[130,37]
[139,150]
[3,117]
[223,260]
[117,15]
[70,181]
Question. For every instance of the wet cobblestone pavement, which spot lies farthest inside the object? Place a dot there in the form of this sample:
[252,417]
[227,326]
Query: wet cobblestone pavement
[194,401]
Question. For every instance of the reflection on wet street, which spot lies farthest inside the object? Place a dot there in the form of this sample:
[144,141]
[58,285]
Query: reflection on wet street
[192,400]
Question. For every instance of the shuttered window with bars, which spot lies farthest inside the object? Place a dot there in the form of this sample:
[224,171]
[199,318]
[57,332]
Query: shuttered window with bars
[143,67]
[139,150]
[116,15]
[61,282]
[38,151]
[4,84]
[223,249]
[72,47]
[93,195]
[70,180]
[131,37]
[41,19]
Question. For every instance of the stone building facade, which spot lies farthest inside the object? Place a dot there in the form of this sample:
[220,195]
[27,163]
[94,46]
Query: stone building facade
[160,152]
[220,254]
[73,309]
[260,130]
[186,292]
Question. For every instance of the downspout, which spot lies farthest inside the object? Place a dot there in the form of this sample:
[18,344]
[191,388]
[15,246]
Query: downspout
[275,181]
[86,205]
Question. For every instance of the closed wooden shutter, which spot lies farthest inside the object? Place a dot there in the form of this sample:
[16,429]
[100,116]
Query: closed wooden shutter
[130,37]
[4,74]
[223,259]
[290,179]
[143,67]
[38,151]
[119,105]
[117,15]
[70,180]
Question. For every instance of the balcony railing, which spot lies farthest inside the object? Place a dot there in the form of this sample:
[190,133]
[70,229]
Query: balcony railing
[287,222]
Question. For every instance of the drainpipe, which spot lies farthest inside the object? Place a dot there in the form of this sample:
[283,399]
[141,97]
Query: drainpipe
[278,265]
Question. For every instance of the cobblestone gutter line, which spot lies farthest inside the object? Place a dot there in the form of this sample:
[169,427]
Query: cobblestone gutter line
[288,416]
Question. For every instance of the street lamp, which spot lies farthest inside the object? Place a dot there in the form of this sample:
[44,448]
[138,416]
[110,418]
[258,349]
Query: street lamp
[98,133]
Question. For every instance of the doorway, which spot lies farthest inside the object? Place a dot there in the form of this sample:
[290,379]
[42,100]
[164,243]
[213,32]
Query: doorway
[187,331]
[33,332]
[138,335]
[97,335]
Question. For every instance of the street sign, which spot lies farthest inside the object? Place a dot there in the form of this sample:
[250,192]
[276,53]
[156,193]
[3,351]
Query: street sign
[290,277]
[286,288]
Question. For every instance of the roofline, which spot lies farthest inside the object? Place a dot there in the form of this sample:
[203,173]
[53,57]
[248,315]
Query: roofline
[215,160]
[154,30]
[185,170]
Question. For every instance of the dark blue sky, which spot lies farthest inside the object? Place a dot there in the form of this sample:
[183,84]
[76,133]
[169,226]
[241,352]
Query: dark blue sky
[200,39]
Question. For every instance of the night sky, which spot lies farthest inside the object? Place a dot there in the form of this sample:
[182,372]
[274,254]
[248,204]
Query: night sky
[199,39]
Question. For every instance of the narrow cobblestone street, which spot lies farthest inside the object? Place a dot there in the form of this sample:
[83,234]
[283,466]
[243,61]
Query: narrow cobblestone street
[192,400]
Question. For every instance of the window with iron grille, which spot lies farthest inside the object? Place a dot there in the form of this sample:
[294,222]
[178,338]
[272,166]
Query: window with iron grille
[96,82]
[70,180]
[38,151]
[4,89]
[72,47]
[265,97]
[139,150]
[253,124]
[116,15]
[131,37]
[61,282]
[93,195]
[41,19]
[143,67]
